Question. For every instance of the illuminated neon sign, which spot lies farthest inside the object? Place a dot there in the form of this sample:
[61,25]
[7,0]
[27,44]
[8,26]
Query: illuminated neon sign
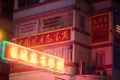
[13,52]
[118,28]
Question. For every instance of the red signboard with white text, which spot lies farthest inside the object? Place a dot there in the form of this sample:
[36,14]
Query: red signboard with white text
[100,27]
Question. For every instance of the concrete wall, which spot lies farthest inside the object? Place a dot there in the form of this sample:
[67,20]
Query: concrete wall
[82,4]
[106,3]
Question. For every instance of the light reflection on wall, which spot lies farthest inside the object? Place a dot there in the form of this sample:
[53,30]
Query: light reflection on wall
[4,34]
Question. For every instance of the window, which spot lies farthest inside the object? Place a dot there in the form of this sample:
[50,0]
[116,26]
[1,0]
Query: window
[82,23]
[100,57]
[25,3]
[7,8]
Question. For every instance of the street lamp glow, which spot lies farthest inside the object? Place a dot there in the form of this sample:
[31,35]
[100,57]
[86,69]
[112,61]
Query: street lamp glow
[1,35]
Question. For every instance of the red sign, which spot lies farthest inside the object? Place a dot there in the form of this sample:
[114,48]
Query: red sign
[56,36]
[31,57]
[100,27]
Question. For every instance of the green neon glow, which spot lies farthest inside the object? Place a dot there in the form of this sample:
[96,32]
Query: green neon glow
[4,43]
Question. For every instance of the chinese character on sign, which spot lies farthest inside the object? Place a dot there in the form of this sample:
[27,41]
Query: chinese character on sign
[14,52]
[42,39]
[34,41]
[51,63]
[26,42]
[24,55]
[59,65]
[65,35]
[43,60]
[48,39]
[33,58]
[57,36]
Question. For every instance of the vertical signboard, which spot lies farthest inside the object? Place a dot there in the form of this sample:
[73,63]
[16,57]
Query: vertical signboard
[100,24]
[20,54]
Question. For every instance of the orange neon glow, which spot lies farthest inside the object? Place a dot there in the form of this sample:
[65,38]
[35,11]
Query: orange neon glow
[13,52]
[31,57]
[43,60]
[51,63]
[59,65]
[23,55]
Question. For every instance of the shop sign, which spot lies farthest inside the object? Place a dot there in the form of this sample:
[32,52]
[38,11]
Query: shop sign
[46,38]
[20,54]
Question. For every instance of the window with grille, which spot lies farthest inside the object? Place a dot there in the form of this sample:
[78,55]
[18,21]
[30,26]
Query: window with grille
[26,3]
[82,23]
[7,8]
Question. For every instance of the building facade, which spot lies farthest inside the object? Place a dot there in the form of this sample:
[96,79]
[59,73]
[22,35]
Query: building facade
[79,31]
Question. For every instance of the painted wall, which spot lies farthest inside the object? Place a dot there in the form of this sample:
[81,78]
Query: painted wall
[106,3]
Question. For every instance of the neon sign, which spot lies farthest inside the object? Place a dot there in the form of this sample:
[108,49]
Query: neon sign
[118,28]
[13,52]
